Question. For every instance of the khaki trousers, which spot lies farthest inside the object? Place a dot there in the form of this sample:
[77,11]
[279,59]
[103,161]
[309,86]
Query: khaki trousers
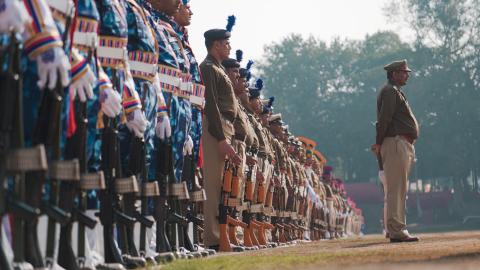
[214,163]
[397,155]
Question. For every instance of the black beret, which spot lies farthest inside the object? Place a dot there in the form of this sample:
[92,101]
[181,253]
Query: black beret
[254,93]
[255,90]
[400,65]
[216,34]
[230,63]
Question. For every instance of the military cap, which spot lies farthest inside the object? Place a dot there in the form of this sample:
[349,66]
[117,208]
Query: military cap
[245,72]
[221,34]
[327,170]
[230,63]
[400,65]
[216,34]
[267,105]
[276,119]
[255,90]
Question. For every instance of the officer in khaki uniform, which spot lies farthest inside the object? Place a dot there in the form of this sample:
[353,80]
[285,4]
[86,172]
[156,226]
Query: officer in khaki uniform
[397,130]
[243,138]
[220,113]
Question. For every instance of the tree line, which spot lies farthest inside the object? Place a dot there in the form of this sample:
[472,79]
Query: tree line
[327,91]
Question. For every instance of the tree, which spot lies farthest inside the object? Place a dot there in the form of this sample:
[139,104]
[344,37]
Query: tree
[328,91]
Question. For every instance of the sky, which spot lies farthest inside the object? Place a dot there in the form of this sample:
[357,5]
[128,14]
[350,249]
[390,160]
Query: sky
[261,22]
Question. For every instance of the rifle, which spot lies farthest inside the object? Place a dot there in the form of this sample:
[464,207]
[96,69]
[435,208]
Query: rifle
[137,166]
[149,190]
[92,181]
[47,131]
[164,215]
[14,159]
[9,80]
[70,191]
[50,117]
[129,196]
[164,157]
[196,194]
[178,197]
[197,197]
[109,201]
[234,203]
[227,210]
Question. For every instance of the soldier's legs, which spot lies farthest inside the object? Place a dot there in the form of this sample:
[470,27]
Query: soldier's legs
[213,171]
[397,155]
[384,204]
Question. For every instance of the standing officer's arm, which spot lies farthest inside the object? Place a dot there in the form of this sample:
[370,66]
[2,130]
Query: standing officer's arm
[387,109]
[211,108]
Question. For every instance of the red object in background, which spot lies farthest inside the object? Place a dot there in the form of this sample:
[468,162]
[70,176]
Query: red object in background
[200,155]
[430,200]
[72,125]
[365,193]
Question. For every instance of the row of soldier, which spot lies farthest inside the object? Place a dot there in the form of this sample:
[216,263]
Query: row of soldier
[260,177]
[103,108]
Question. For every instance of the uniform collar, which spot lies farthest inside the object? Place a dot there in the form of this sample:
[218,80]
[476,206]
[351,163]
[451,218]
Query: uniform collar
[156,14]
[214,61]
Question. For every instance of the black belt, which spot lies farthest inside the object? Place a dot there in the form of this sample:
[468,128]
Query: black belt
[408,138]
[240,137]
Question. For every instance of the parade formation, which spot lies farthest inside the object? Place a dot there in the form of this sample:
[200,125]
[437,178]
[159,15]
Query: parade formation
[119,149]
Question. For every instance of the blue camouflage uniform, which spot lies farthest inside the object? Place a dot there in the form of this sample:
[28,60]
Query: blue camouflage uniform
[87,26]
[172,68]
[143,58]
[197,96]
[112,54]
[31,92]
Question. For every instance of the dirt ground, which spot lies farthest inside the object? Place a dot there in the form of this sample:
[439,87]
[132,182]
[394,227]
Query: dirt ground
[439,251]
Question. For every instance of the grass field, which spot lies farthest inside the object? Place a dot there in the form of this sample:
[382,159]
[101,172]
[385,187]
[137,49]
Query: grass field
[455,250]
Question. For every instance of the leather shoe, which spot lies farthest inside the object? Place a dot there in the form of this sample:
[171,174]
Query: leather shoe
[404,239]
[237,248]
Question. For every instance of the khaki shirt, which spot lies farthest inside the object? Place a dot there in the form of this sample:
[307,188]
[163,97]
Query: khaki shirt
[263,144]
[220,102]
[242,131]
[394,116]
[252,139]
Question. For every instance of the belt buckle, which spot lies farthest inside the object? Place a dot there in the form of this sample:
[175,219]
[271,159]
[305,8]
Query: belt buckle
[92,39]
[186,86]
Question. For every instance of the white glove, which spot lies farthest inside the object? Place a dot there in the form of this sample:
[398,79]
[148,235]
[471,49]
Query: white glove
[51,63]
[83,86]
[162,128]
[137,123]
[111,102]
[188,146]
[13,16]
